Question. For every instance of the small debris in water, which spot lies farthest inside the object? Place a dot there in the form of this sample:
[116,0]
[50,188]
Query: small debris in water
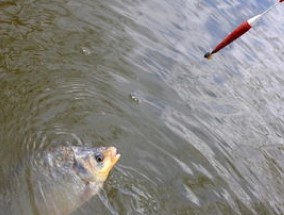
[86,51]
[134,98]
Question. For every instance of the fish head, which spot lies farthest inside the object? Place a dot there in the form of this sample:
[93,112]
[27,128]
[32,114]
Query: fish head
[94,164]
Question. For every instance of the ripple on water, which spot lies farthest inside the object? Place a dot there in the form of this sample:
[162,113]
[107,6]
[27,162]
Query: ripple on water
[129,194]
[200,140]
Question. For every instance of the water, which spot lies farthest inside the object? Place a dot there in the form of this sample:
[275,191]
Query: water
[196,136]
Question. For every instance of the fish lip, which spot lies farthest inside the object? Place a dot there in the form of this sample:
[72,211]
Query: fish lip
[114,155]
[114,151]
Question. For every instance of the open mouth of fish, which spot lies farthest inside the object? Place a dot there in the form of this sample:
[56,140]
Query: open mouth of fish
[112,153]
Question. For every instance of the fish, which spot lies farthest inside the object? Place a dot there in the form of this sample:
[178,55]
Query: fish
[66,177]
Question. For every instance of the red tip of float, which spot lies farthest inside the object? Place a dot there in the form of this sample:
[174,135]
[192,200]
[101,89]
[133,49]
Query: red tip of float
[281,1]
[208,55]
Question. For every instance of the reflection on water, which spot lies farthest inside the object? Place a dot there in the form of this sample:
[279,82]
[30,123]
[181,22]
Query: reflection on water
[196,136]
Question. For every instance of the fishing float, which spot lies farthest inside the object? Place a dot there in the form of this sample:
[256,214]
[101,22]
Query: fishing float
[239,31]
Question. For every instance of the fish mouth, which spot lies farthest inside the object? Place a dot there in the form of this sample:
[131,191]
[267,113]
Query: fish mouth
[111,152]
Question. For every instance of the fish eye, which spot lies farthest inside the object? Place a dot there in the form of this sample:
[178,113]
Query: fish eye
[99,157]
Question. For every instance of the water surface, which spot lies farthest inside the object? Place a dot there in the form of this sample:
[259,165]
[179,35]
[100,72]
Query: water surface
[196,136]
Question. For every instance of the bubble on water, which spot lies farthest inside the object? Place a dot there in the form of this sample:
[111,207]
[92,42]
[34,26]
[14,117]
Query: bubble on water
[134,97]
[86,50]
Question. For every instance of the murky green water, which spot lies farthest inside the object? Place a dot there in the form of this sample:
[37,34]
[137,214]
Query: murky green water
[196,136]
